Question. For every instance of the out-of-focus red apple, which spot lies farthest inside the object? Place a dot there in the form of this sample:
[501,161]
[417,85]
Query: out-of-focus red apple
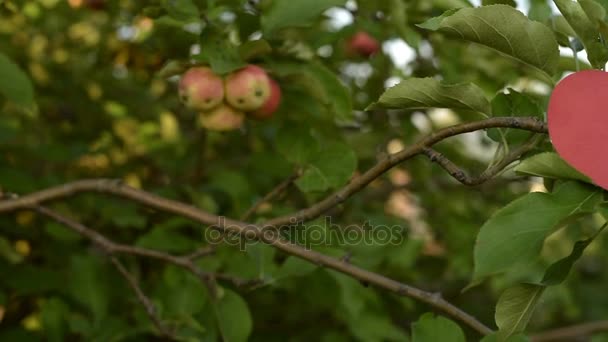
[201,89]
[97,5]
[222,118]
[271,105]
[362,44]
[248,89]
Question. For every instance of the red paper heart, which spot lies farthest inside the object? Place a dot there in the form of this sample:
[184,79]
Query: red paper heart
[578,123]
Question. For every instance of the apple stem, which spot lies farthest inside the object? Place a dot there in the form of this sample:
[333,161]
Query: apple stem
[575,56]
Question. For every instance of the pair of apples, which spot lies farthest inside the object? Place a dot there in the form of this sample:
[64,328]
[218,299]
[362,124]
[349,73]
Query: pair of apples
[222,103]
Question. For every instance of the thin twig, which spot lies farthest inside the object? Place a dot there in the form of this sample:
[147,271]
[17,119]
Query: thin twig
[571,333]
[461,176]
[277,190]
[200,253]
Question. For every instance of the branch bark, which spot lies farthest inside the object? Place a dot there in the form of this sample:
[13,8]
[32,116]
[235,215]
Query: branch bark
[461,176]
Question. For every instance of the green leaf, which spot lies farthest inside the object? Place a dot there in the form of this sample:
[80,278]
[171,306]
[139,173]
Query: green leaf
[562,30]
[294,13]
[431,93]
[296,143]
[233,316]
[431,328]
[331,168]
[549,165]
[567,63]
[558,271]
[603,210]
[371,326]
[597,14]
[514,235]
[25,279]
[399,19]
[181,293]
[321,83]
[263,255]
[340,102]
[222,56]
[539,10]
[295,267]
[182,10]
[167,240]
[511,3]
[514,309]
[515,338]
[254,48]
[53,313]
[88,284]
[513,104]
[15,85]
[585,29]
[502,28]
[8,252]
[123,215]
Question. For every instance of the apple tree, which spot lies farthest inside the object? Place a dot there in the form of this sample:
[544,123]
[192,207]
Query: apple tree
[334,170]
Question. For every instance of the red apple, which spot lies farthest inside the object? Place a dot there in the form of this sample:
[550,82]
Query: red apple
[97,5]
[578,123]
[248,89]
[222,118]
[201,89]
[361,43]
[271,105]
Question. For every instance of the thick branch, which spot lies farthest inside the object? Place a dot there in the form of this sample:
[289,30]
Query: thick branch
[244,229]
[571,333]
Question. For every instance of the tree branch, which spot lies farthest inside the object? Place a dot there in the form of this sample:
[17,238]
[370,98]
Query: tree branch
[200,253]
[572,332]
[461,176]
[525,123]
[244,229]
